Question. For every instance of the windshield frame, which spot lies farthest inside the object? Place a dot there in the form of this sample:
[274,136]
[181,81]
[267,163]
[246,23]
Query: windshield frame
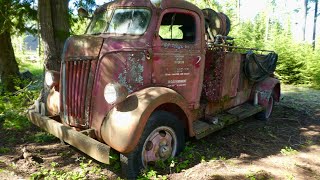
[110,17]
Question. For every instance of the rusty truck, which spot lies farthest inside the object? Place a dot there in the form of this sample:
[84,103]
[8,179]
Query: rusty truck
[146,75]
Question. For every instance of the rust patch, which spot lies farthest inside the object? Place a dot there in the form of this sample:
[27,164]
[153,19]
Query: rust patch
[213,76]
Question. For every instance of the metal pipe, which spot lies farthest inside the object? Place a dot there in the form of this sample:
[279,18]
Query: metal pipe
[236,47]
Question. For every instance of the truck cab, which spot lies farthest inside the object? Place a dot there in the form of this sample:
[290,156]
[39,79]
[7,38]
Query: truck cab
[146,75]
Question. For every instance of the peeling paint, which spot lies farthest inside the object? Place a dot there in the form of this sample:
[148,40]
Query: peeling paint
[132,75]
[122,78]
[174,46]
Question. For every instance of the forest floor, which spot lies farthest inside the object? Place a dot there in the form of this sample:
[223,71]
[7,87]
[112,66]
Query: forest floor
[285,147]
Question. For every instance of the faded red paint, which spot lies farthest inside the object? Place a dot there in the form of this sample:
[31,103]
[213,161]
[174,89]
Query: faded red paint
[156,73]
[266,88]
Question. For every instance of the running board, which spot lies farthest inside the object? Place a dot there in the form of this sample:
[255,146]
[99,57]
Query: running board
[215,123]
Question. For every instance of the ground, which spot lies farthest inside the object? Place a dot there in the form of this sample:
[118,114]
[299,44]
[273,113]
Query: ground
[285,147]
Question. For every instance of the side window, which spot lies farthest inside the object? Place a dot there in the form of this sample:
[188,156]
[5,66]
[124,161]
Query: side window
[178,27]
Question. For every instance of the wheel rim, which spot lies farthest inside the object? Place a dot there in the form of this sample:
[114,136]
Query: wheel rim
[270,107]
[159,145]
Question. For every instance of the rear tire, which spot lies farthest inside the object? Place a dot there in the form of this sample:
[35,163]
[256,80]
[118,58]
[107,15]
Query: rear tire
[266,114]
[162,138]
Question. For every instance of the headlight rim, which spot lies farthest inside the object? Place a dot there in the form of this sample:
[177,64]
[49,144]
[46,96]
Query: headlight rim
[120,93]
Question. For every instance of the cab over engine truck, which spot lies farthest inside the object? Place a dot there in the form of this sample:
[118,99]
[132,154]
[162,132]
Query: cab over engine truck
[146,75]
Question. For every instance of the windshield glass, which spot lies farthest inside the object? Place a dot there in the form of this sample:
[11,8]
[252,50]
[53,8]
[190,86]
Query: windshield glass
[123,21]
[99,22]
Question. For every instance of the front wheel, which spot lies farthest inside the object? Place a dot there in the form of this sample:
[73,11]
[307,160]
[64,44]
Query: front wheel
[162,138]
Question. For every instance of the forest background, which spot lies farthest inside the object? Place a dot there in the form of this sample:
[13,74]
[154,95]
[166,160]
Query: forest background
[290,31]
[279,25]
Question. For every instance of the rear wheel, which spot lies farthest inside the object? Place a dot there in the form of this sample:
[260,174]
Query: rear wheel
[162,138]
[266,114]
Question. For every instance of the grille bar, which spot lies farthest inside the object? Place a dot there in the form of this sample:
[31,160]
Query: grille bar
[78,91]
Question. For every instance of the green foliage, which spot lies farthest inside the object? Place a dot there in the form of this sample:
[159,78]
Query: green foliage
[206,4]
[78,24]
[152,174]
[17,16]
[288,151]
[87,169]
[168,32]
[13,106]
[4,150]
[291,59]
[251,34]
[12,109]
[297,63]
[42,137]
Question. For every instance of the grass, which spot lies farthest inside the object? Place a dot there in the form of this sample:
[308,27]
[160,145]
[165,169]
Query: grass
[301,98]
[87,170]
[41,137]
[288,151]
[13,106]
[4,150]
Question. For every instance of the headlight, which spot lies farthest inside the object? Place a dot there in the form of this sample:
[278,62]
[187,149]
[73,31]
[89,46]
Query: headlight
[49,78]
[115,93]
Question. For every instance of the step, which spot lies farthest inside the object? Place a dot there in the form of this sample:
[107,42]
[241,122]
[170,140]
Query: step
[245,110]
[204,128]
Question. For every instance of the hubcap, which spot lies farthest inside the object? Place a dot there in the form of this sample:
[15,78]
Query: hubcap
[159,145]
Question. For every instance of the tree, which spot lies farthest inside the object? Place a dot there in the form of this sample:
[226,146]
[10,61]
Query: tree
[305,15]
[54,20]
[315,24]
[14,15]
[54,28]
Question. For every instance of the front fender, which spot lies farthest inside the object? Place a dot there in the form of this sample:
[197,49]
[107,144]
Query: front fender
[124,124]
[265,89]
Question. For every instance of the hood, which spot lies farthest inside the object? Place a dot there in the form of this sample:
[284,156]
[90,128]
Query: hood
[79,47]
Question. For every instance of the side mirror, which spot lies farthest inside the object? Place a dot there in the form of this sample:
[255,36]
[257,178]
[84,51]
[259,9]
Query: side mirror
[82,12]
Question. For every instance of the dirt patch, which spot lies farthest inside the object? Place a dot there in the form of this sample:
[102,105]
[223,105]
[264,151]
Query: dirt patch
[286,147]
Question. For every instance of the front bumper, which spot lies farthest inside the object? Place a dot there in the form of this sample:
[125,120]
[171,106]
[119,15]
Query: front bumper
[86,144]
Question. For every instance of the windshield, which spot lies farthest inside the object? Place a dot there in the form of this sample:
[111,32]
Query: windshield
[99,22]
[123,21]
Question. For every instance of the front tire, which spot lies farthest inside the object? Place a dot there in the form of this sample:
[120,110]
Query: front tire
[162,138]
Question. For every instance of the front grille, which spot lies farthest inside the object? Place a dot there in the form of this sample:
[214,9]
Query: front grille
[79,77]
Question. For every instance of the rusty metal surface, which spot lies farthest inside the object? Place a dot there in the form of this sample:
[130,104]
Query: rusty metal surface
[213,79]
[181,4]
[91,147]
[124,124]
[82,47]
[265,89]
[53,102]
[129,68]
[145,65]
[131,61]
[78,70]
[179,64]
[231,74]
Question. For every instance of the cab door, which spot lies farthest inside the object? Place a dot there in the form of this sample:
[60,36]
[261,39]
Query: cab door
[179,54]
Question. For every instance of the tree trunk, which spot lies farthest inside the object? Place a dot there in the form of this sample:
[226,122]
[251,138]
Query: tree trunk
[305,15]
[9,70]
[239,10]
[315,24]
[54,29]
[54,25]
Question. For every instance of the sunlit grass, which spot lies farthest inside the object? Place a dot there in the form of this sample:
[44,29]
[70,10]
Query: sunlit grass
[301,98]
[13,106]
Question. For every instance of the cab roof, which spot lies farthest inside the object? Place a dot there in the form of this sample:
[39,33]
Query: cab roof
[165,4]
